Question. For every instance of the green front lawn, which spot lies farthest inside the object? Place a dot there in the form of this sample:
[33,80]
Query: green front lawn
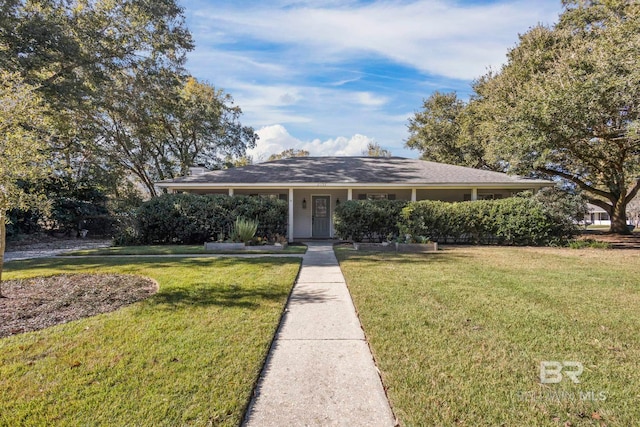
[189,355]
[181,250]
[459,335]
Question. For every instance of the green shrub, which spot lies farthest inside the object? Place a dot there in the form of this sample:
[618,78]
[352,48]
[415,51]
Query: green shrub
[22,222]
[513,221]
[192,218]
[375,220]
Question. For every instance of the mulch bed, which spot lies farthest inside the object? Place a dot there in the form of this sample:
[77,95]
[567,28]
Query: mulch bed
[37,303]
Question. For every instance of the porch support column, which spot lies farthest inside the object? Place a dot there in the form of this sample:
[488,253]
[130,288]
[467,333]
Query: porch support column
[413,195]
[290,222]
[231,192]
[349,193]
[474,194]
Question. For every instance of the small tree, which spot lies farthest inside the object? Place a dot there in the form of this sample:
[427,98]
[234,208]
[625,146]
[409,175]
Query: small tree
[286,154]
[375,150]
[21,147]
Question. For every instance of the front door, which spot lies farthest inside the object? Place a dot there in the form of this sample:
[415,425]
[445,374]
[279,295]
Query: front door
[321,217]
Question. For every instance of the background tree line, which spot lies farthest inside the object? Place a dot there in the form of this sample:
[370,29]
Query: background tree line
[564,106]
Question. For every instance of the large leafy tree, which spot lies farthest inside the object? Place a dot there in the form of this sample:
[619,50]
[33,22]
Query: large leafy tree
[23,138]
[75,52]
[566,104]
[158,125]
[121,103]
[202,126]
[71,48]
[448,130]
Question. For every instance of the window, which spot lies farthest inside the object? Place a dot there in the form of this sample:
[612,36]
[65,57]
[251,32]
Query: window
[376,196]
[486,196]
[270,196]
[490,196]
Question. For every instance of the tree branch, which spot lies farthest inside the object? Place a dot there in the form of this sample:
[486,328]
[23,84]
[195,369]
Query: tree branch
[583,185]
[634,191]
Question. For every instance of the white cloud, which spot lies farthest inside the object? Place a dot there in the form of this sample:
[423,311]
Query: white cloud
[435,36]
[275,139]
[369,99]
[340,146]
[265,104]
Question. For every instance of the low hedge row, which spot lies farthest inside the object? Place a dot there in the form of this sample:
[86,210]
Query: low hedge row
[368,219]
[512,221]
[192,219]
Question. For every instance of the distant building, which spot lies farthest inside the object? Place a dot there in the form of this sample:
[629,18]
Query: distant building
[596,216]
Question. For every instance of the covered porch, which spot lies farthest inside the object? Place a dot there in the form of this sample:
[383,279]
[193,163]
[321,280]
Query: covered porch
[311,208]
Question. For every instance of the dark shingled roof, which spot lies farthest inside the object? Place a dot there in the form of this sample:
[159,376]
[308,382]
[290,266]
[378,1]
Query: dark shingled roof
[353,170]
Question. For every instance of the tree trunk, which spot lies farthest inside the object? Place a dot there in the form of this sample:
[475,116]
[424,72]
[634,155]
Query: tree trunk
[3,239]
[619,217]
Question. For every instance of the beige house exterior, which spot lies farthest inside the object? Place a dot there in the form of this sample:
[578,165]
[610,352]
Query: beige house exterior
[314,186]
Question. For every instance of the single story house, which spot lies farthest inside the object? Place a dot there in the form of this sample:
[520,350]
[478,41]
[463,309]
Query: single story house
[314,186]
[596,215]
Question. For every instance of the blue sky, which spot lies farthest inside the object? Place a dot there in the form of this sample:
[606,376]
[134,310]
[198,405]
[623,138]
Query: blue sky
[330,76]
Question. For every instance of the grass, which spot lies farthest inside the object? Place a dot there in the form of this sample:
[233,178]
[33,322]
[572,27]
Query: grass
[589,243]
[598,227]
[459,335]
[180,250]
[189,355]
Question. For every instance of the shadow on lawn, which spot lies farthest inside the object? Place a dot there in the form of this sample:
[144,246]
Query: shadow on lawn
[200,295]
[195,294]
[404,258]
[95,263]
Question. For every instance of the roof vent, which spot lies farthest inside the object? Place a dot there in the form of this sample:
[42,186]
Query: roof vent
[197,170]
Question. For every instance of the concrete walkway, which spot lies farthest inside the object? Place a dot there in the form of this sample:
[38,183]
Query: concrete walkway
[320,371]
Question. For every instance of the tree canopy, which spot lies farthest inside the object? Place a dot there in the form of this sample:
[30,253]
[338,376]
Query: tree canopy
[447,131]
[23,136]
[156,128]
[565,106]
[288,153]
[119,99]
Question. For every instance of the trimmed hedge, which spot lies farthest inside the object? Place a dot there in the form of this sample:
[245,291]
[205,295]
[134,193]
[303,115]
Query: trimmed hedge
[193,219]
[374,220]
[518,221]
[513,221]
